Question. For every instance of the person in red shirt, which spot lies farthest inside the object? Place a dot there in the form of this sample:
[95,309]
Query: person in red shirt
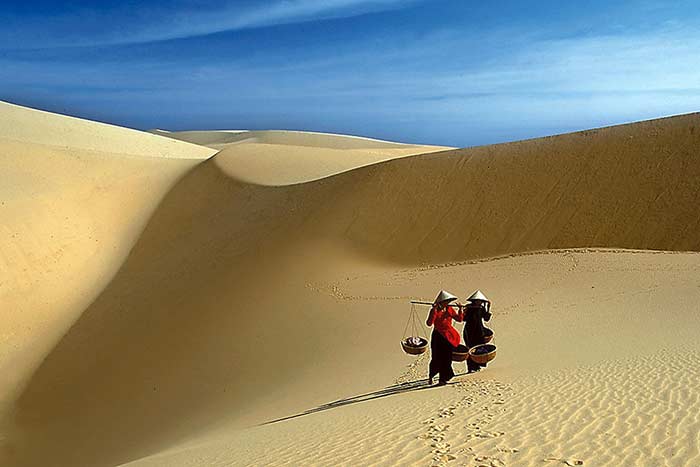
[444,337]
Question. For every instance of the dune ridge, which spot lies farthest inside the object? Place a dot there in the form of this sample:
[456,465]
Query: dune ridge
[630,186]
[276,157]
[334,259]
[39,127]
[218,138]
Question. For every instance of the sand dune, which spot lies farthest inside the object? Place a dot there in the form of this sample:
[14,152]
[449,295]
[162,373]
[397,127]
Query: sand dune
[240,303]
[597,362]
[74,196]
[290,157]
[38,127]
[219,138]
[631,186]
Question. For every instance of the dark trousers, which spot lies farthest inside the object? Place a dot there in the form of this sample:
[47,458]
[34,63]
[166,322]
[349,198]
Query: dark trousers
[472,366]
[440,357]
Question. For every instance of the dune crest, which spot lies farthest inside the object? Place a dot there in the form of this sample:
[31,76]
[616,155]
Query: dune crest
[219,138]
[276,157]
[39,127]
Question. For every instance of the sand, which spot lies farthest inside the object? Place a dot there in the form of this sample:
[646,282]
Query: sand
[190,300]
[561,387]
[74,197]
[276,158]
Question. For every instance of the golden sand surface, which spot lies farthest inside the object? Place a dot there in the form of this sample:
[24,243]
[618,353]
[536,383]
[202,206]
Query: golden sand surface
[165,305]
[597,363]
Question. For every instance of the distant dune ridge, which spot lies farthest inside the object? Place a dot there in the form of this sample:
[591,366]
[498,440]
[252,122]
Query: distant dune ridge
[163,296]
[218,138]
[291,157]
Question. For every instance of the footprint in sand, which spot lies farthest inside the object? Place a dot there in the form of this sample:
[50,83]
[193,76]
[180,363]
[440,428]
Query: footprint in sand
[447,412]
[436,433]
[569,462]
[440,427]
[443,458]
[508,450]
[485,434]
[488,461]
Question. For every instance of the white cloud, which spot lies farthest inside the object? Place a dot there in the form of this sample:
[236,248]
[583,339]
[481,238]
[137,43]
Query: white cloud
[163,22]
[231,17]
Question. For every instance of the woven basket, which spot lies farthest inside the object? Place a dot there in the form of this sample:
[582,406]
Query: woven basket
[460,353]
[488,335]
[415,349]
[484,357]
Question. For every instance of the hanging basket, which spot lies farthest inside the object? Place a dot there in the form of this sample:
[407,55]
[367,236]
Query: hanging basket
[488,335]
[482,353]
[460,353]
[414,349]
[414,344]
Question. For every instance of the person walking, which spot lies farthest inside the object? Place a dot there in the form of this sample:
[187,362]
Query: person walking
[477,311]
[444,337]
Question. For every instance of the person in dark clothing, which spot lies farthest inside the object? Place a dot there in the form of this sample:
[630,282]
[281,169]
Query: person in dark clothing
[444,337]
[476,312]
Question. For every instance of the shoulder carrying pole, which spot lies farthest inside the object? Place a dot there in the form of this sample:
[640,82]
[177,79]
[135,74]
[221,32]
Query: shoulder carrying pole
[420,302]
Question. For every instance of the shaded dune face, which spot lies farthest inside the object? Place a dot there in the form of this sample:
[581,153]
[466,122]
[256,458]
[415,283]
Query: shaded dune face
[164,348]
[632,186]
[132,371]
[167,345]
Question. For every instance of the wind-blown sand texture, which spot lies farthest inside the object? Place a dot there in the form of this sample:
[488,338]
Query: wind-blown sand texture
[171,306]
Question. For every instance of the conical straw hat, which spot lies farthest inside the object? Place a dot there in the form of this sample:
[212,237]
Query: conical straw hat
[445,296]
[478,296]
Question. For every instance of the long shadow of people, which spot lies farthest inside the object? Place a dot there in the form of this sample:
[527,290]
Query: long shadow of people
[401,388]
[387,391]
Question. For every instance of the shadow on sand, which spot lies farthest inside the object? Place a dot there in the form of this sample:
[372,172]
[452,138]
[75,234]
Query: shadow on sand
[395,389]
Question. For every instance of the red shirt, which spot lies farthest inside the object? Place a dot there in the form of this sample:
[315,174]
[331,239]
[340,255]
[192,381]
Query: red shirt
[442,320]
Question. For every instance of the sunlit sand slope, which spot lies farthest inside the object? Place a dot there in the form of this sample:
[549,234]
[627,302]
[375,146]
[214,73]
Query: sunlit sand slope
[38,127]
[598,362]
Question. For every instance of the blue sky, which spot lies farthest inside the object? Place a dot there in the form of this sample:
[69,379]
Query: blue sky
[451,72]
